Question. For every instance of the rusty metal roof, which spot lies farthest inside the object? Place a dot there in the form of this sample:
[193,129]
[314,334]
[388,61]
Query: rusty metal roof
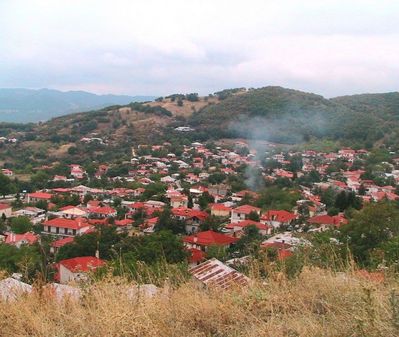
[214,273]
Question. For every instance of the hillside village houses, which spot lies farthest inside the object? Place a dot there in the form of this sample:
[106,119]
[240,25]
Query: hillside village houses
[201,189]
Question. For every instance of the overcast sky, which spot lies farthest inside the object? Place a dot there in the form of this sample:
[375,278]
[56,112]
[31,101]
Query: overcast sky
[158,47]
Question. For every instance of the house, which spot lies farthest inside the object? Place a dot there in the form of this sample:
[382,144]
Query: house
[138,191]
[39,196]
[72,212]
[325,221]
[236,229]
[123,225]
[76,269]
[241,213]
[220,210]
[192,217]
[77,172]
[102,212]
[220,189]
[284,240]
[213,273]
[56,245]
[177,201]
[34,213]
[18,240]
[66,227]
[7,172]
[278,218]
[203,240]
[60,178]
[5,210]
[196,256]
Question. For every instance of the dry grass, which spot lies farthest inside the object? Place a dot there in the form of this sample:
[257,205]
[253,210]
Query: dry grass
[187,108]
[317,303]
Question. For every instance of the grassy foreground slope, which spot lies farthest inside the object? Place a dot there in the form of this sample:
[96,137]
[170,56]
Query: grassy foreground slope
[317,303]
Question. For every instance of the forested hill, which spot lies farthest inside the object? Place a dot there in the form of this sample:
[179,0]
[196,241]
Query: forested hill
[384,105]
[291,116]
[26,105]
[271,113]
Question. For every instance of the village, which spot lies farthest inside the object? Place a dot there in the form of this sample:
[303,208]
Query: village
[213,199]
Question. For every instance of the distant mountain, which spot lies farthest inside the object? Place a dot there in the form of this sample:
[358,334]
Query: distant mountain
[26,105]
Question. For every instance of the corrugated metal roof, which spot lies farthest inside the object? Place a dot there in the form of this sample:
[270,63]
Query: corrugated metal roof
[216,274]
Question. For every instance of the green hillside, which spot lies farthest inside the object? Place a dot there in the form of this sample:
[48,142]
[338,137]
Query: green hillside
[287,116]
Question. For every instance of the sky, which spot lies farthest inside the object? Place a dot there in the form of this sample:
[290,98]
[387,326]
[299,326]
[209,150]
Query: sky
[155,47]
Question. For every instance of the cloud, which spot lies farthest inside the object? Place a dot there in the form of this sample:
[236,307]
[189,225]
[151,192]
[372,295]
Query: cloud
[160,47]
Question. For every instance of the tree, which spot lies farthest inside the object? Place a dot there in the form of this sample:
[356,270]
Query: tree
[254,216]
[105,238]
[161,246]
[249,242]
[190,203]
[6,185]
[370,228]
[21,225]
[204,200]
[25,260]
[213,223]
[167,222]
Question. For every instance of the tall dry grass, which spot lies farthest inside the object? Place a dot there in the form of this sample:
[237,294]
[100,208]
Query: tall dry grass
[316,303]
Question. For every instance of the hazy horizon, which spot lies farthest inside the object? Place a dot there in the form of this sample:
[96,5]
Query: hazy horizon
[156,48]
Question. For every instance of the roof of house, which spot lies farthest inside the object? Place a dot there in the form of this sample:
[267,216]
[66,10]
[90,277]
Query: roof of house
[189,213]
[246,209]
[327,220]
[40,195]
[77,223]
[106,210]
[247,223]
[214,273]
[28,237]
[4,206]
[124,222]
[196,255]
[82,264]
[279,215]
[220,207]
[209,238]
[61,242]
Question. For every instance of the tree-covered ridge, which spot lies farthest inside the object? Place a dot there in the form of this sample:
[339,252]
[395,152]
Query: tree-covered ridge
[287,116]
[384,105]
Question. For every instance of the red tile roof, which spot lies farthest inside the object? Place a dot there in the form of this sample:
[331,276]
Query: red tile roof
[209,238]
[82,264]
[77,223]
[189,213]
[61,242]
[105,210]
[196,255]
[40,195]
[246,209]
[279,215]
[4,206]
[327,220]
[220,207]
[247,223]
[28,237]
